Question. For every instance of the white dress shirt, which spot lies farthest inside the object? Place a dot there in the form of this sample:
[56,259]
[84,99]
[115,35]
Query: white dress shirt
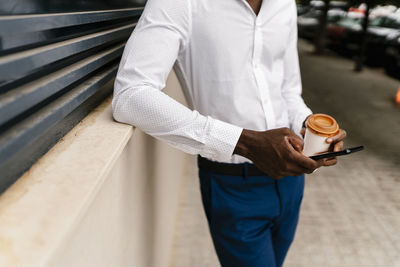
[237,69]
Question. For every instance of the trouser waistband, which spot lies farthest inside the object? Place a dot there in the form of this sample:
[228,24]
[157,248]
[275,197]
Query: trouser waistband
[240,169]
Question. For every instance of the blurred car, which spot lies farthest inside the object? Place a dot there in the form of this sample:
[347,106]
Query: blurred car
[308,23]
[302,9]
[345,34]
[317,4]
[309,16]
[380,31]
[380,11]
[392,56]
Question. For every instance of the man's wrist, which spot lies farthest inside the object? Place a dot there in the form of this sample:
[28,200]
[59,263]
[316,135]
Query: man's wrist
[244,143]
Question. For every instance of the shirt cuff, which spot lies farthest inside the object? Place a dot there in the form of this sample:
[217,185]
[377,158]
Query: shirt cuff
[297,125]
[221,141]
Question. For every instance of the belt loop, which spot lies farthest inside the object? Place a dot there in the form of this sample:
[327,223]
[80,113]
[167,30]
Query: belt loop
[246,170]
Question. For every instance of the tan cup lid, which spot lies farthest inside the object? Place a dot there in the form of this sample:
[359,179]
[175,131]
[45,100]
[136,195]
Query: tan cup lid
[323,124]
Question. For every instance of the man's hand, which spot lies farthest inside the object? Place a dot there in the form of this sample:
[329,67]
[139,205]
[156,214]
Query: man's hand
[276,152]
[337,144]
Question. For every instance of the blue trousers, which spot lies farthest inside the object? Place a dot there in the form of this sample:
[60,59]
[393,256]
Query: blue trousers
[253,219]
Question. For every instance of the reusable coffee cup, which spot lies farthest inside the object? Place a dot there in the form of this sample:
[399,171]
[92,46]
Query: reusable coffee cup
[318,128]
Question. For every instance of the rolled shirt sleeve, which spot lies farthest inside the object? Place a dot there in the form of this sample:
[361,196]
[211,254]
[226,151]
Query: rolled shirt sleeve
[292,89]
[162,32]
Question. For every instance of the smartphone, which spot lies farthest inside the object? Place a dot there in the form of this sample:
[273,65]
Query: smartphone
[338,153]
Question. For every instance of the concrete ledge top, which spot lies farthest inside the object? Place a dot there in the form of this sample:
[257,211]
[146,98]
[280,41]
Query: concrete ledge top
[40,209]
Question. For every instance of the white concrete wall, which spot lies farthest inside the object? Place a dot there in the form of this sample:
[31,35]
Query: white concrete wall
[106,195]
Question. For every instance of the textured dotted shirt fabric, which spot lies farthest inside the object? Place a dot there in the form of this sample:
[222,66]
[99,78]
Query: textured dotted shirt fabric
[237,69]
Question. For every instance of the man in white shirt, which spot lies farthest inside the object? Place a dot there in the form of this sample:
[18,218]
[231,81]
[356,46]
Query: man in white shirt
[237,63]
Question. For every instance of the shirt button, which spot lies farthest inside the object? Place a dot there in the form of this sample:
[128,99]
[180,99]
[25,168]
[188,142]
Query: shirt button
[255,65]
[265,101]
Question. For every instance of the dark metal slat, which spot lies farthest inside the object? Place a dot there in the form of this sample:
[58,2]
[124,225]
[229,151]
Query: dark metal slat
[30,40]
[29,23]
[22,134]
[16,65]
[21,99]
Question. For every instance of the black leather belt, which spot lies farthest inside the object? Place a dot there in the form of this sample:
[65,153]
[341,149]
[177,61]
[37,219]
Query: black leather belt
[229,168]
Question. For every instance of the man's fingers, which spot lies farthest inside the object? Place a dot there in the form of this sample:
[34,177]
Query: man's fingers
[321,162]
[330,162]
[305,163]
[337,138]
[296,162]
[295,169]
[338,146]
[296,142]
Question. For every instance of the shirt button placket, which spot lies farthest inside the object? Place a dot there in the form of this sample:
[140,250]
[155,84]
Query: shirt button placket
[257,71]
[257,41]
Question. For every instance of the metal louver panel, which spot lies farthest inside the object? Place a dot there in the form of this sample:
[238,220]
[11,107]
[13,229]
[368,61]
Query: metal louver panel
[54,69]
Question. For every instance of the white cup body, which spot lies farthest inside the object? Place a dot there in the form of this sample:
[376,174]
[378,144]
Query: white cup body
[314,144]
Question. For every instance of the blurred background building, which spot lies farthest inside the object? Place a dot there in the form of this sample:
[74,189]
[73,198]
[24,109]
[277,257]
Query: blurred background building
[78,189]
